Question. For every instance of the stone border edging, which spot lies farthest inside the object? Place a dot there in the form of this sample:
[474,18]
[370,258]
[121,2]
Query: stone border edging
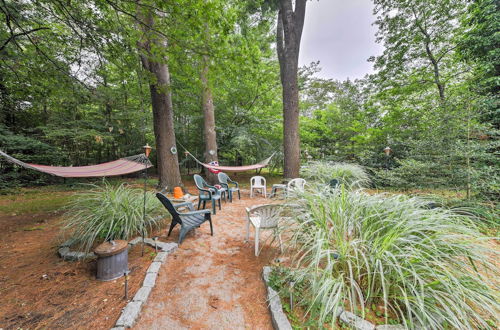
[281,322]
[278,317]
[66,254]
[132,310]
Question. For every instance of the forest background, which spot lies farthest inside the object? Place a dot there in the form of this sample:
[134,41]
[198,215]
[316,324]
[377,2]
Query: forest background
[74,91]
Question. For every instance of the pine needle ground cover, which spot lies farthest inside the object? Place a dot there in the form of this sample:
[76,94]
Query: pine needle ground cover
[390,254]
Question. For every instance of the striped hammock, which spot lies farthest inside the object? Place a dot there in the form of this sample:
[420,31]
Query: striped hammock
[261,164]
[118,167]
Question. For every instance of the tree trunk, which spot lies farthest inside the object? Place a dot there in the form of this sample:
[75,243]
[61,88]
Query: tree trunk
[289,33]
[161,100]
[208,120]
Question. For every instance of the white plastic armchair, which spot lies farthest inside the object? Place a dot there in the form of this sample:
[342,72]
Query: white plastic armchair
[258,183]
[295,185]
[264,217]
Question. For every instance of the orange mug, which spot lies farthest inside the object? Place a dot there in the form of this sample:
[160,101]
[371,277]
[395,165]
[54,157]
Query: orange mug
[178,193]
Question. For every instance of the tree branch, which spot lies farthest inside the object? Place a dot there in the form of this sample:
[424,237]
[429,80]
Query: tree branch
[300,13]
[13,36]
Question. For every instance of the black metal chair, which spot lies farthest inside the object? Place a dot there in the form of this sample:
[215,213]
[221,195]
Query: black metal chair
[187,220]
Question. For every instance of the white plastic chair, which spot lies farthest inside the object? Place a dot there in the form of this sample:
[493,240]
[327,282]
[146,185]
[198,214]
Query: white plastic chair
[295,184]
[263,217]
[259,183]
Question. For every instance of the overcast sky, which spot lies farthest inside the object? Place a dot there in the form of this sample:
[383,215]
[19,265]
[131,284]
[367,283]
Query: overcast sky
[339,33]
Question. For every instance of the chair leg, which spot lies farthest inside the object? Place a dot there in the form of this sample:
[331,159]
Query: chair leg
[182,234]
[204,204]
[264,189]
[256,241]
[172,225]
[211,227]
[219,204]
[239,196]
[251,192]
[248,231]
[199,202]
[213,207]
[230,194]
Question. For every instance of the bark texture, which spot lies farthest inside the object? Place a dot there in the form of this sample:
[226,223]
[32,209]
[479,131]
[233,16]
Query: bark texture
[289,33]
[161,99]
[210,134]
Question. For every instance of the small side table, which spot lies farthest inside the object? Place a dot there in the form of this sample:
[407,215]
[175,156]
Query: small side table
[276,188]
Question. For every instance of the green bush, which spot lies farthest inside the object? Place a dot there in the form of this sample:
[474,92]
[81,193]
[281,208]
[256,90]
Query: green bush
[351,175]
[29,150]
[111,212]
[423,266]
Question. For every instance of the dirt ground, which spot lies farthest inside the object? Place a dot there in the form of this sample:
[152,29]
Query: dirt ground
[213,282]
[209,282]
[39,290]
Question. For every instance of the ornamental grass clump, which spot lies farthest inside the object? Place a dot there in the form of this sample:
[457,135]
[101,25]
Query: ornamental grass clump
[351,175]
[421,267]
[110,212]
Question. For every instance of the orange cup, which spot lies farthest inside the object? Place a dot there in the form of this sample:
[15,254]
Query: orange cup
[178,193]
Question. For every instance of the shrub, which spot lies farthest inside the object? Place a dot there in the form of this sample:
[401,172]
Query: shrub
[27,149]
[348,174]
[110,212]
[422,266]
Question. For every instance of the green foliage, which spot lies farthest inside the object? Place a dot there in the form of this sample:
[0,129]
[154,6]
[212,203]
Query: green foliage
[109,212]
[28,149]
[479,46]
[485,215]
[73,92]
[351,175]
[424,266]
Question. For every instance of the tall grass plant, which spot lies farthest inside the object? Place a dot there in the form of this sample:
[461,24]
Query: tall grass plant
[109,212]
[427,267]
[351,175]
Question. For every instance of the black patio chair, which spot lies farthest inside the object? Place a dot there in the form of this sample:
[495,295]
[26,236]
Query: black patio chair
[187,220]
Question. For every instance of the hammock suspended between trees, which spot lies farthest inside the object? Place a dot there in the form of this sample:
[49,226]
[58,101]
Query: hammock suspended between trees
[261,164]
[118,167]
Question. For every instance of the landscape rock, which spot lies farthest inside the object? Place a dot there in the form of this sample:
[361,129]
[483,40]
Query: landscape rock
[150,279]
[142,294]
[129,314]
[63,251]
[154,267]
[168,247]
[161,257]
[135,241]
[278,317]
[355,321]
[68,243]
[389,327]
[67,254]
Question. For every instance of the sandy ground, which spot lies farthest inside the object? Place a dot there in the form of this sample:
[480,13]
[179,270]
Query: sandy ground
[213,282]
